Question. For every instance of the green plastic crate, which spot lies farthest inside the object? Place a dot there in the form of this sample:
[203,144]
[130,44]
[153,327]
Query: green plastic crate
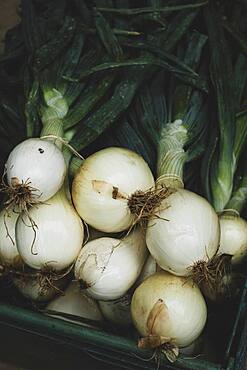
[55,344]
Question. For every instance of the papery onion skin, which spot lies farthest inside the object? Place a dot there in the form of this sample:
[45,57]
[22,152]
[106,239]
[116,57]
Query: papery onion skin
[187,231]
[59,235]
[39,162]
[108,267]
[184,314]
[9,255]
[106,171]
[233,238]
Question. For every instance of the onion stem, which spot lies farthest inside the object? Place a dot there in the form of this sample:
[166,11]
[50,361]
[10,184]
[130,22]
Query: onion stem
[171,154]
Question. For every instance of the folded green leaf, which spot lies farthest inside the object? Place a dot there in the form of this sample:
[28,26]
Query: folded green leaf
[109,112]
[223,81]
[169,8]
[108,38]
[87,100]
[50,51]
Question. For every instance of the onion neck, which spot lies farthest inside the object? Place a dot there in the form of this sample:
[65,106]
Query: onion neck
[53,114]
[171,155]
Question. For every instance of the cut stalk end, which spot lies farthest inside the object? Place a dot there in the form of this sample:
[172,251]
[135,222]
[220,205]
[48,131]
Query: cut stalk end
[209,275]
[144,204]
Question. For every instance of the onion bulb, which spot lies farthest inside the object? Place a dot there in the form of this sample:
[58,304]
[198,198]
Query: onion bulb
[39,166]
[233,237]
[103,186]
[186,232]
[76,303]
[168,309]
[35,287]
[9,255]
[108,267]
[50,236]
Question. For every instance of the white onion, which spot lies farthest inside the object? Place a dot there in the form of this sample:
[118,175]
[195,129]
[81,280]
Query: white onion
[59,234]
[103,174]
[108,267]
[187,231]
[32,288]
[181,314]
[9,255]
[76,303]
[117,311]
[39,162]
[233,237]
[150,267]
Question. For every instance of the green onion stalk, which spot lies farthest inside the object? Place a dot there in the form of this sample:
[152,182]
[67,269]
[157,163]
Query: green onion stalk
[230,92]
[183,231]
[226,153]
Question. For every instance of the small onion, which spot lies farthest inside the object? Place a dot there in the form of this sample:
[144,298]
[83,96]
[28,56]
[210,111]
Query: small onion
[108,267]
[76,303]
[9,255]
[33,288]
[233,237]
[40,163]
[105,182]
[169,306]
[56,241]
[186,232]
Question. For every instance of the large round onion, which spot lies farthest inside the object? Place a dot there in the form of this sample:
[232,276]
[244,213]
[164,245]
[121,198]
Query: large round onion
[186,232]
[38,163]
[169,306]
[56,241]
[103,185]
[108,267]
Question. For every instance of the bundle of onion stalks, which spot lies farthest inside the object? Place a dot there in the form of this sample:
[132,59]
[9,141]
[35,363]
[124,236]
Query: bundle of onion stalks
[103,208]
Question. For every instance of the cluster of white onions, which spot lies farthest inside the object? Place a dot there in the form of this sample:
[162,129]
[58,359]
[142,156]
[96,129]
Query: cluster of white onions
[40,228]
[111,192]
[104,192]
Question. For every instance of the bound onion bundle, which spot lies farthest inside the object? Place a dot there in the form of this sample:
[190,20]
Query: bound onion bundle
[183,230]
[135,101]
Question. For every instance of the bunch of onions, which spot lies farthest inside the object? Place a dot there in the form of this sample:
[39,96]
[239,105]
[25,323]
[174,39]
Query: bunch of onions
[183,236]
[107,267]
[169,312]
[108,189]
[48,231]
[74,304]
